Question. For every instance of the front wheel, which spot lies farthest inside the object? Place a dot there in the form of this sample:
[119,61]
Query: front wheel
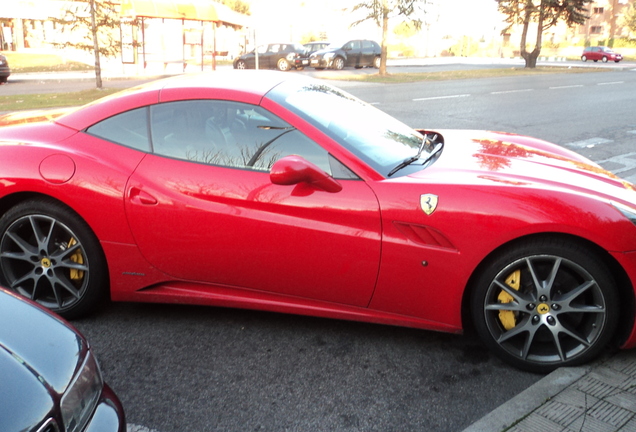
[49,255]
[584,58]
[241,65]
[545,304]
[604,59]
[338,63]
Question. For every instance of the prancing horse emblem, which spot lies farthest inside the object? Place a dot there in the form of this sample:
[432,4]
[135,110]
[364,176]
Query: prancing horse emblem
[428,202]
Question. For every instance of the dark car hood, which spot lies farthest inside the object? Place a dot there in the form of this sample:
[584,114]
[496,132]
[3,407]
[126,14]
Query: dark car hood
[52,353]
[17,385]
[476,157]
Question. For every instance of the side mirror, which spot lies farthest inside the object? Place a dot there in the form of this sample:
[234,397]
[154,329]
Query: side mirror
[292,170]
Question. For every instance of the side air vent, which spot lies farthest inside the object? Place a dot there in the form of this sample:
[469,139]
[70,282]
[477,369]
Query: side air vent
[424,235]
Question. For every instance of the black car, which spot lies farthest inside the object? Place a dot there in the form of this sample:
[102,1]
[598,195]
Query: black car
[312,47]
[49,378]
[281,56]
[4,69]
[356,53]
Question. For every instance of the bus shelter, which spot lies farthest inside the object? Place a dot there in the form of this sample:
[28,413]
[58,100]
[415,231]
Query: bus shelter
[179,31]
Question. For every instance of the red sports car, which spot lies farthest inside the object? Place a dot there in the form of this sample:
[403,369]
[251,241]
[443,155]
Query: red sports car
[255,189]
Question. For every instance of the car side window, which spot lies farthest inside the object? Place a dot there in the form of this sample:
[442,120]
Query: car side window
[232,134]
[129,129]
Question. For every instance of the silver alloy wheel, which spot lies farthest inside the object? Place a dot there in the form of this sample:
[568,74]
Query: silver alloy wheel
[240,64]
[553,311]
[376,62]
[584,58]
[283,65]
[44,260]
[338,63]
[604,59]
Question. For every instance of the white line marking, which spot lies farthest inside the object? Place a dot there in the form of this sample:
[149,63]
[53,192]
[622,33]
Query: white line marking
[588,143]
[611,83]
[442,97]
[512,91]
[565,87]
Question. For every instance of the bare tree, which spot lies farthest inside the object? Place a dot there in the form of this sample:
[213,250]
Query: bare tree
[380,11]
[542,14]
[92,26]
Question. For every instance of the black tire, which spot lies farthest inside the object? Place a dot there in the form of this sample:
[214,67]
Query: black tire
[604,59]
[241,64]
[50,255]
[338,63]
[563,316]
[584,58]
[376,62]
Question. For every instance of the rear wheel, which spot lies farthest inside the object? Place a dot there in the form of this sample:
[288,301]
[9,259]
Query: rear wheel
[376,62]
[545,304]
[283,65]
[49,255]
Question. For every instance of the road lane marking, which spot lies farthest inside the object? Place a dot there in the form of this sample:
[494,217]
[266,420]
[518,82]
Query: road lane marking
[588,143]
[566,87]
[442,97]
[512,91]
[611,83]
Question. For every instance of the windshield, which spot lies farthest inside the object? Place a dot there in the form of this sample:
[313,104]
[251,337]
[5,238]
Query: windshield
[375,137]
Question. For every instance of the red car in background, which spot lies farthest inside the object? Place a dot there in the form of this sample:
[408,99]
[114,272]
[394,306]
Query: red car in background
[602,53]
[260,190]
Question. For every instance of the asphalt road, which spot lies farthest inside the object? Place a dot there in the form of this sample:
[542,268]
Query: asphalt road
[194,369]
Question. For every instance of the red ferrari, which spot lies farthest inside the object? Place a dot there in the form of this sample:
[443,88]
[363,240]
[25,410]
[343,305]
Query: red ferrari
[259,190]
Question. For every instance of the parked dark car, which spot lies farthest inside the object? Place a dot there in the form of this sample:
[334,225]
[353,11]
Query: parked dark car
[355,53]
[4,69]
[312,47]
[49,378]
[602,53]
[281,56]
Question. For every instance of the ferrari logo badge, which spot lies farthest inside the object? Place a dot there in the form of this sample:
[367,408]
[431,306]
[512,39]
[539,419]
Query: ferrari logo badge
[428,202]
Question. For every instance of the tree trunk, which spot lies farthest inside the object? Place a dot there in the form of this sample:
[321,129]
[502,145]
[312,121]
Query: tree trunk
[98,69]
[385,32]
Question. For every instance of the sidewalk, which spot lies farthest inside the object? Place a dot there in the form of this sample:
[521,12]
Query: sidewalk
[600,397]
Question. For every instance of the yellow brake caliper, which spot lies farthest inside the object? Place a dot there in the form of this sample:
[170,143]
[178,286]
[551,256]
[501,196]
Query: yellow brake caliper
[77,257]
[508,318]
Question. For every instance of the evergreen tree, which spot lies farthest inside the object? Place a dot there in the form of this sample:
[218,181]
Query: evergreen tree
[542,14]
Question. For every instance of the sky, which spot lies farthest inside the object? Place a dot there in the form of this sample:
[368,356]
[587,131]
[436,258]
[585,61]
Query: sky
[290,20]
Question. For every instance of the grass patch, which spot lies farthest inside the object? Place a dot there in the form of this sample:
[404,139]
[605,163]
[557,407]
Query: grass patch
[52,100]
[28,62]
[461,74]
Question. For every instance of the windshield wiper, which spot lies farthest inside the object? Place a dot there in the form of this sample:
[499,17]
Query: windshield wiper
[408,161]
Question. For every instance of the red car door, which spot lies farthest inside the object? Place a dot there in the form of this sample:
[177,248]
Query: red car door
[212,215]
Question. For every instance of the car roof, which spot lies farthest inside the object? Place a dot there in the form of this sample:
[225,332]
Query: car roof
[246,85]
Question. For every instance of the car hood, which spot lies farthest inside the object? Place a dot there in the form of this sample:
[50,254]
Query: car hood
[52,354]
[476,157]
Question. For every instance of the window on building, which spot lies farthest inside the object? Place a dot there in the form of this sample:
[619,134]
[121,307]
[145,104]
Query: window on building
[598,10]
[596,29]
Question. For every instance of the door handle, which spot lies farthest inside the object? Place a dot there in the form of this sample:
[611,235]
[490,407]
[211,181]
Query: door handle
[138,196]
